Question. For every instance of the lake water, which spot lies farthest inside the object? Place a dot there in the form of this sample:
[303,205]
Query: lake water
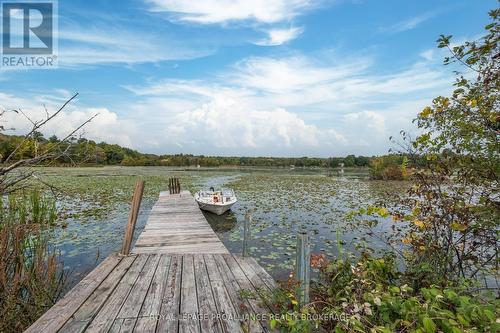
[95,203]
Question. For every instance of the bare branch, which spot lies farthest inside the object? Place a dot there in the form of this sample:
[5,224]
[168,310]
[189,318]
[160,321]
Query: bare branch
[38,125]
[10,180]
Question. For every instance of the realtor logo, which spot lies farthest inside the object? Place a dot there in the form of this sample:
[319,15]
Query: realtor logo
[28,34]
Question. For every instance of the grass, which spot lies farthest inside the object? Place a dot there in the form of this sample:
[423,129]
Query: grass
[31,275]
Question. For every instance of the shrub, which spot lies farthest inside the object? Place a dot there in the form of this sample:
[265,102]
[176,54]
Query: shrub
[368,294]
[389,167]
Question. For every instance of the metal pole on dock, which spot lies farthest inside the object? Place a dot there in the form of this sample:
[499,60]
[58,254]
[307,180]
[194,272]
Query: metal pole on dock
[302,266]
[132,218]
[246,233]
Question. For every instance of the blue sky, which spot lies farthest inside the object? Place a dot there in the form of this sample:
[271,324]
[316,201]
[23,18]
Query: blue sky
[234,77]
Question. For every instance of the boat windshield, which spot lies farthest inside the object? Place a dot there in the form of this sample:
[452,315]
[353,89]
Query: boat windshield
[227,192]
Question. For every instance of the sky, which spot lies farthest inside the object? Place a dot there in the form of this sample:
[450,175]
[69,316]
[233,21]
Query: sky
[244,78]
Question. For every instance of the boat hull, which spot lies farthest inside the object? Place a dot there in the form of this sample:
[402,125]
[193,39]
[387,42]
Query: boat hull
[218,209]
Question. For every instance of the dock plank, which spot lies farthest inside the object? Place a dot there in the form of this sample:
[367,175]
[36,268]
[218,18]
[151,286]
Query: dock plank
[152,303]
[57,316]
[206,302]
[189,301]
[261,273]
[168,317]
[230,321]
[242,306]
[105,318]
[84,315]
[133,304]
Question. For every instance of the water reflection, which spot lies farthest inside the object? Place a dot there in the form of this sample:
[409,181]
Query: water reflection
[221,223]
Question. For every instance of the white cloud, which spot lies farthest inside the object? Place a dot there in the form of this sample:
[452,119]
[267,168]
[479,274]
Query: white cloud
[224,123]
[410,23]
[294,105]
[326,84]
[111,42]
[107,126]
[106,45]
[280,36]
[428,55]
[289,74]
[323,105]
[370,123]
[217,11]
[300,81]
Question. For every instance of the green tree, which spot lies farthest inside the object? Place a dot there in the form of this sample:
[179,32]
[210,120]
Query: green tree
[38,136]
[362,161]
[114,154]
[454,202]
[349,161]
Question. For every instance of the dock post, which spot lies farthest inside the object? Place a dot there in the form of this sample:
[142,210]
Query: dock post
[246,233]
[132,218]
[302,266]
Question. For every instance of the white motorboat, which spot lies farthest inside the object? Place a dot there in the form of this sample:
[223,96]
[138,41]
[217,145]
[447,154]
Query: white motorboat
[217,202]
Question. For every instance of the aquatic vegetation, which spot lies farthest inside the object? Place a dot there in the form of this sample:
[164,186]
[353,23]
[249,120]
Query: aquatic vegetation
[31,274]
[284,203]
[94,202]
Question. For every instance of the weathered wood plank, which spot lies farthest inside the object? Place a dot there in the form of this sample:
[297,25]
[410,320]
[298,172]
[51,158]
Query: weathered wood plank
[173,233]
[183,239]
[242,306]
[206,302]
[122,325]
[188,321]
[186,249]
[106,316]
[146,324]
[244,271]
[207,247]
[236,278]
[116,326]
[132,219]
[57,315]
[251,274]
[82,318]
[168,317]
[261,272]
[230,321]
[158,290]
[183,244]
[132,305]
[152,303]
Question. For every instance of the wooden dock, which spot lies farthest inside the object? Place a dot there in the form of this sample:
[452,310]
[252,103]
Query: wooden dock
[176,225]
[178,278]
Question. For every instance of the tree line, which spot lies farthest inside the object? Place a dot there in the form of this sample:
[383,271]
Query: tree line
[81,151]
